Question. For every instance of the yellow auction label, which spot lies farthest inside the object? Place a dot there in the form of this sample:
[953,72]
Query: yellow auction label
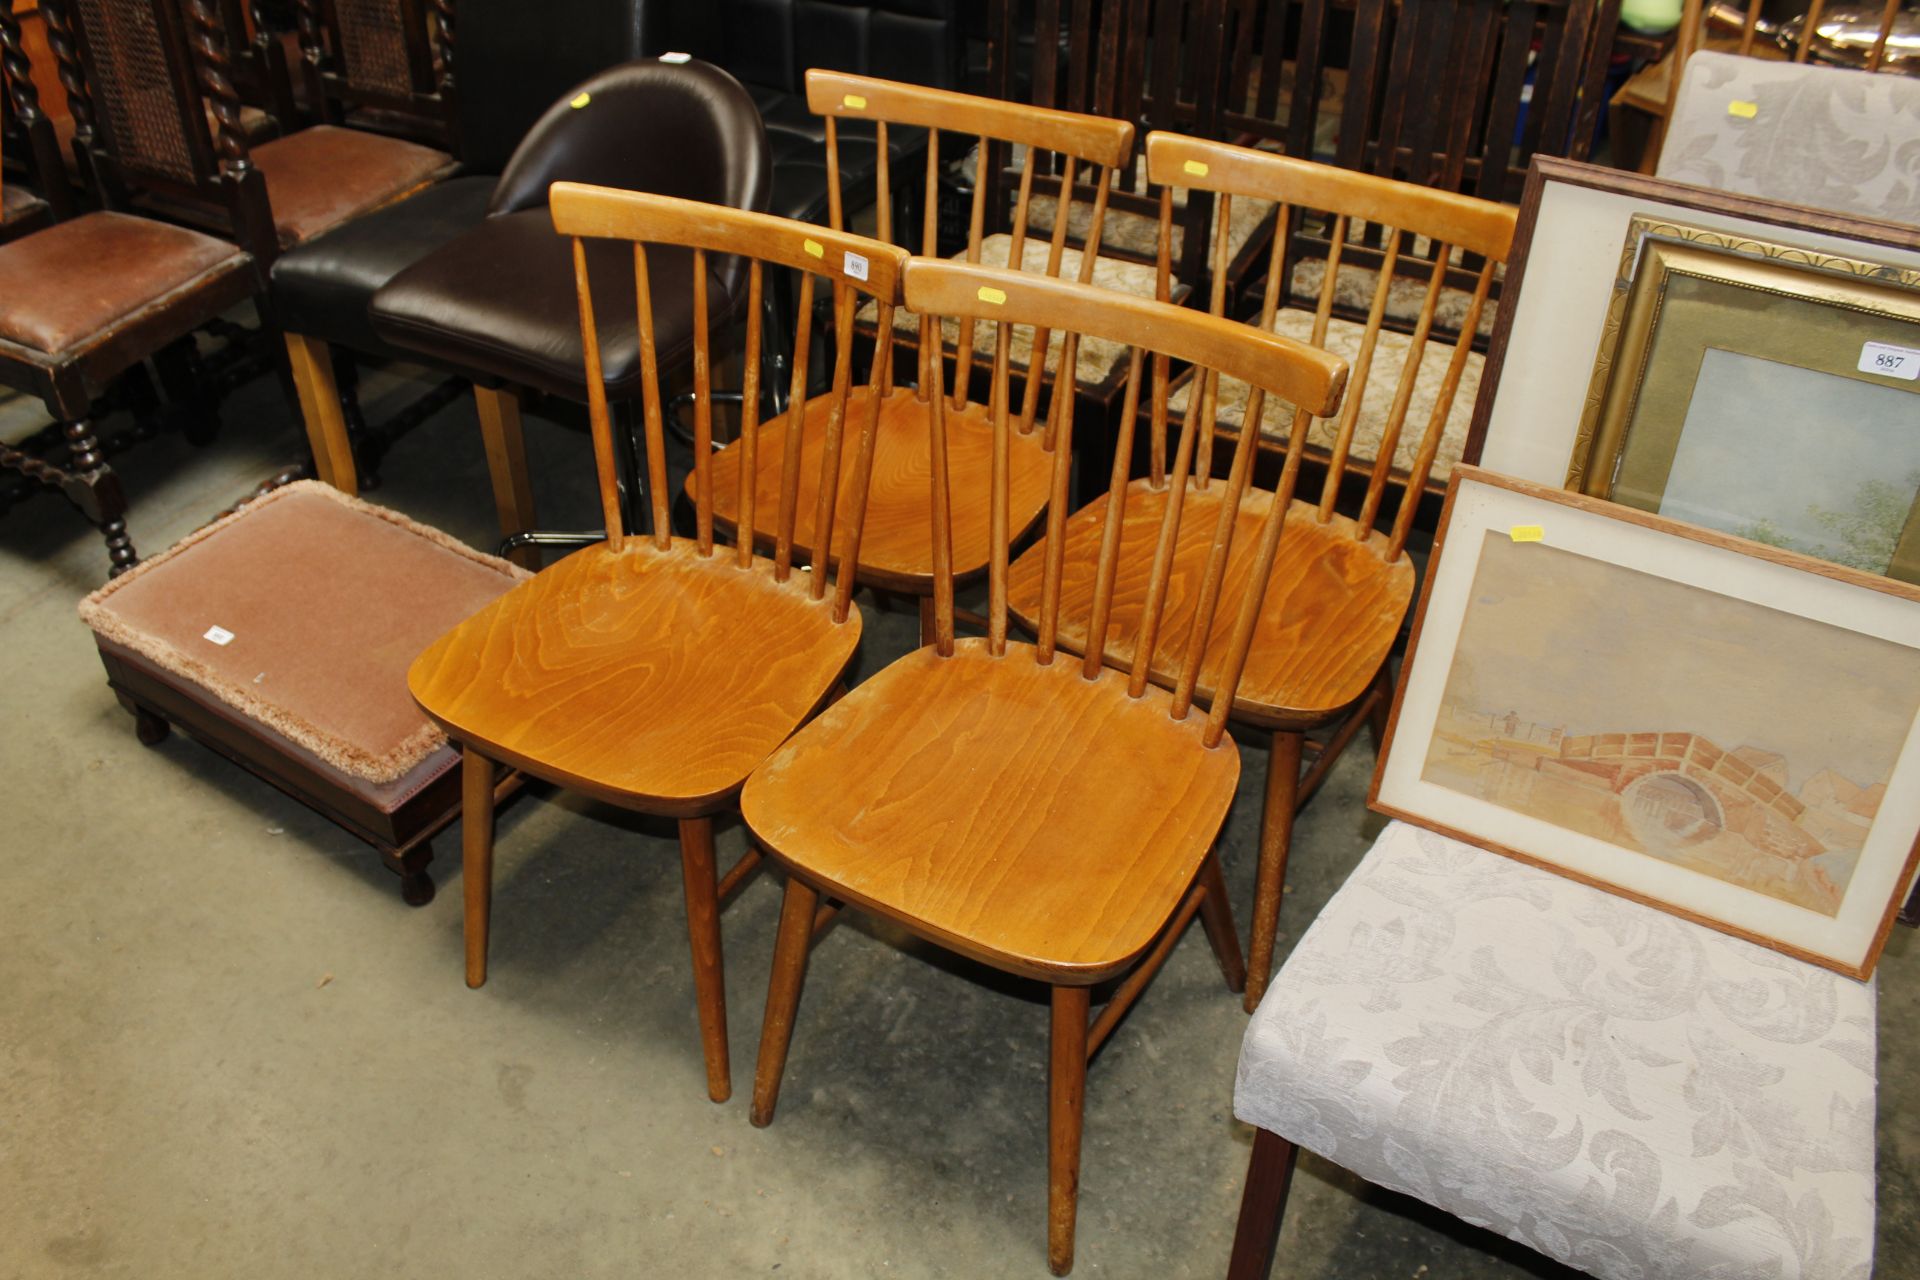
[1745,110]
[813,248]
[580,100]
[990,294]
[1196,168]
[1526,533]
[855,101]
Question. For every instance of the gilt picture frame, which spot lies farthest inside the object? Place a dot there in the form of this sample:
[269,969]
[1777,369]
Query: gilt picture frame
[1718,728]
[1561,274]
[1763,390]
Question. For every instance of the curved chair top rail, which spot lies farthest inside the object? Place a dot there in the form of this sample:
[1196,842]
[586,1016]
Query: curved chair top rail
[1279,365]
[1466,222]
[1095,139]
[864,265]
[1304,375]
[854,265]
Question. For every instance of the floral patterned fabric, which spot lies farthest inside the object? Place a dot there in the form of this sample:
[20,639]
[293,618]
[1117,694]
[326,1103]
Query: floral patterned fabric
[1627,1092]
[1829,137]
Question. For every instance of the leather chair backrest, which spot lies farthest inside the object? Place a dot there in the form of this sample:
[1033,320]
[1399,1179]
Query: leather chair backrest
[515,59]
[675,129]
[774,42]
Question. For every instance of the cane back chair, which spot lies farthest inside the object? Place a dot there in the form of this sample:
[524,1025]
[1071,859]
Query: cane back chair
[1053,819]
[1335,602]
[656,672]
[896,553]
[144,77]
[381,64]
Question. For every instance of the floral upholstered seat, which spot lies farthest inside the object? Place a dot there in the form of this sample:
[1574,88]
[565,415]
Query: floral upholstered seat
[1627,1092]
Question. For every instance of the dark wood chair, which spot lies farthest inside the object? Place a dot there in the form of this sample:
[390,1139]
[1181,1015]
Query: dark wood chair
[1050,818]
[656,672]
[1334,604]
[143,79]
[34,153]
[898,553]
[385,65]
[1154,63]
[147,285]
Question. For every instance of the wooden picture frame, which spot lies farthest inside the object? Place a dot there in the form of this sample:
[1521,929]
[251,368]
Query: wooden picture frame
[1678,716]
[1762,390]
[1560,277]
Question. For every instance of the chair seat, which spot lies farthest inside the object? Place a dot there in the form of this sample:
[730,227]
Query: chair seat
[1019,814]
[896,547]
[17,204]
[68,285]
[1098,363]
[631,677]
[1630,1093]
[1137,235]
[319,177]
[322,288]
[1369,429]
[500,300]
[1332,608]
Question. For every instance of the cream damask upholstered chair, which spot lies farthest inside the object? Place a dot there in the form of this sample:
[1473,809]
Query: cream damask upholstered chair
[1827,137]
[1625,1091]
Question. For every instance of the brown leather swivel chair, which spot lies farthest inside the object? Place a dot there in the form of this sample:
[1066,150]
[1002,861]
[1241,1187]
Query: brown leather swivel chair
[497,304]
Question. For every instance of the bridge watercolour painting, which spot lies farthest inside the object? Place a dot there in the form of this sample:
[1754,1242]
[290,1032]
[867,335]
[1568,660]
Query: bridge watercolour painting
[1672,722]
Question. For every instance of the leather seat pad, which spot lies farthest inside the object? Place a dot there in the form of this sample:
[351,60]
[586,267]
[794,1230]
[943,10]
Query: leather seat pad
[70,282]
[319,177]
[499,302]
[322,288]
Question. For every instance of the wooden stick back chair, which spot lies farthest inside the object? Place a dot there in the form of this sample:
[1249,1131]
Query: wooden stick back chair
[1043,815]
[896,552]
[655,672]
[1343,585]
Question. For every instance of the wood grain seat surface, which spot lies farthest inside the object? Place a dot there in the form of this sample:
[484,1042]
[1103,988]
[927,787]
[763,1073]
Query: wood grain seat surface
[896,547]
[1018,813]
[627,675]
[1325,583]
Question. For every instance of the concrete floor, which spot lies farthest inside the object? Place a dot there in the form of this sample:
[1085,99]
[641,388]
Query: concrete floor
[227,1048]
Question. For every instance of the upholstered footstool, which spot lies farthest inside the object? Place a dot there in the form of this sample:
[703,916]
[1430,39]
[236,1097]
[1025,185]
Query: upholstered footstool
[1627,1092]
[280,637]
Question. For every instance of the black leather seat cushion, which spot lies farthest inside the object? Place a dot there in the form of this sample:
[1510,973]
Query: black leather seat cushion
[499,303]
[321,288]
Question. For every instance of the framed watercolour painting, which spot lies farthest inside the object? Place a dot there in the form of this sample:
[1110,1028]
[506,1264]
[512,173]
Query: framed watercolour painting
[1719,728]
[1763,390]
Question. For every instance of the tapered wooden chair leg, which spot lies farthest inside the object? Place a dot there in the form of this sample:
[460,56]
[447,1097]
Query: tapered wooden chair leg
[783,996]
[1276,835]
[507,465]
[1066,1105]
[1216,916]
[702,885]
[476,849]
[326,425]
[1269,1172]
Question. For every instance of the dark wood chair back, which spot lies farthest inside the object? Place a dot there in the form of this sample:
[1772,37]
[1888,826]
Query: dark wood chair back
[1437,92]
[1435,230]
[26,135]
[143,77]
[1277,366]
[1080,142]
[1154,63]
[393,57]
[855,266]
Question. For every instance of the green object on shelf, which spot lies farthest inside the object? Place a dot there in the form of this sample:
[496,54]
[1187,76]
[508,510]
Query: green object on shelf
[1654,17]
